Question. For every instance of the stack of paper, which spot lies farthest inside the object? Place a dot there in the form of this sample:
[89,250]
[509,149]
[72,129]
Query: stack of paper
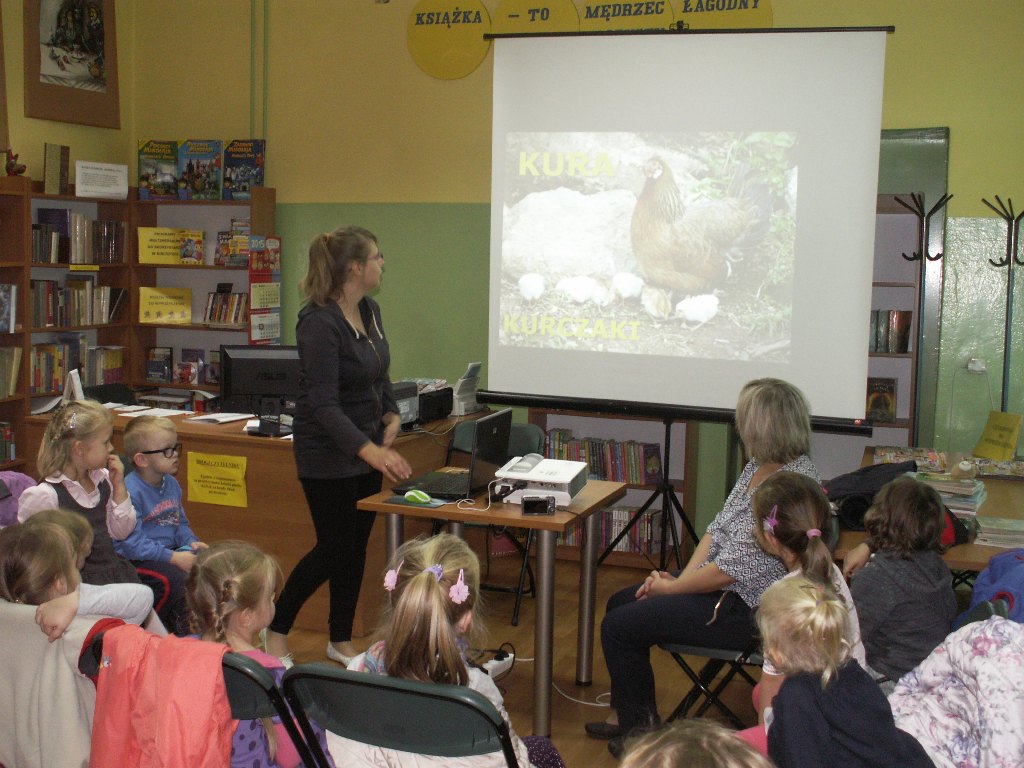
[1000,532]
[963,497]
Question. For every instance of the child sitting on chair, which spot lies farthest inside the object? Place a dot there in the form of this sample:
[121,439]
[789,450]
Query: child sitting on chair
[434,585]
[904,592]
[230,597]
[828,711]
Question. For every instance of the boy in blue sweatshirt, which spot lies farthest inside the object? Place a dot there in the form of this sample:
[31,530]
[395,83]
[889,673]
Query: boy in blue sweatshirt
[162,547]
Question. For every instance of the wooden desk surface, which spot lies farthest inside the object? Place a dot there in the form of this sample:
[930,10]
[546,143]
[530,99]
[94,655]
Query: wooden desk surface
[595,495]
[1005,498]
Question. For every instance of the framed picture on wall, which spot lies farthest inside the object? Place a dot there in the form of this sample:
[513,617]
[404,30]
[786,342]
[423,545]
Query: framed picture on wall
[71,62]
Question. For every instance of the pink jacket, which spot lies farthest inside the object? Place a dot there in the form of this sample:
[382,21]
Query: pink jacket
[160,702]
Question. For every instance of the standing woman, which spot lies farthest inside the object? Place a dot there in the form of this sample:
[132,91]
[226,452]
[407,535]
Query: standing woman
[711,602]
[345,425]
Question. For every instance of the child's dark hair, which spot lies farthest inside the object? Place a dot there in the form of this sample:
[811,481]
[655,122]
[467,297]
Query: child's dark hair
[907,516]
[794,509]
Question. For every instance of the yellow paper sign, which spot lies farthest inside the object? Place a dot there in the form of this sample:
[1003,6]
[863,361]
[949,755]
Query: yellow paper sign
[165,305]
[999,440]
[217,479]
[446,37]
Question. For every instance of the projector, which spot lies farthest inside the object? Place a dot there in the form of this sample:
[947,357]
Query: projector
[543,477]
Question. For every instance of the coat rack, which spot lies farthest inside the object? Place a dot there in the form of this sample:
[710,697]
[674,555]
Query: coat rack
[924,224]
[1005,212]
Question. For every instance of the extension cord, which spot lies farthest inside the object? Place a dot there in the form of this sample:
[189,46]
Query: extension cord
[499,666]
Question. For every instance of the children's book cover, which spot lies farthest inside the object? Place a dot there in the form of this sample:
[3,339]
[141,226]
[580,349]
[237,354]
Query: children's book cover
[158,364]
[211,373]
[158,170]
[881,399]
[243,167]
[199,163]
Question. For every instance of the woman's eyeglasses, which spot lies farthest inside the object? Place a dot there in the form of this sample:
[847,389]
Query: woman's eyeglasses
[167,452]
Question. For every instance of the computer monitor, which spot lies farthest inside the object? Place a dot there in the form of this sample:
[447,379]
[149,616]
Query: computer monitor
[259,379]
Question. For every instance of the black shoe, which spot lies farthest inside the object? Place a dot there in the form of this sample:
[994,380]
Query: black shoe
[603,730]
[616,746]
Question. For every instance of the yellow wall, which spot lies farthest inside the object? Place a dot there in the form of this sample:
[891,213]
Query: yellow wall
[351,117]
[28,135]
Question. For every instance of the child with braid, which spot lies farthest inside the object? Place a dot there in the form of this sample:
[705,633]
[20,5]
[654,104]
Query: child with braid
[230,598]
[433,587]
[791,517]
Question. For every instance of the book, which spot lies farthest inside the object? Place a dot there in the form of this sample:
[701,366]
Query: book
[199,163]
[881,399]
[1000,531]
[243,168]
[159,362]
[220,418]
[10,365]
[56,160]
[8,307]
[999,439]
[211,371]
[158,170]
[899,330]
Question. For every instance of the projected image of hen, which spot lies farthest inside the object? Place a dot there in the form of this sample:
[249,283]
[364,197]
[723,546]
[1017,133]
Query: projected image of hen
[679,245]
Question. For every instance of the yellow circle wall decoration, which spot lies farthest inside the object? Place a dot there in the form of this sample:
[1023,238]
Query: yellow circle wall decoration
[526,16]
[446,37]
[600,16]
[725,14]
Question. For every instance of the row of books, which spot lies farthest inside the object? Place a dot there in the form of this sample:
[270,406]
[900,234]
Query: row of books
[7,450]
[10,366]
[226,308]
[63,236]
[78,302]
[50,362]
[233,244]
[194,366]
[200,169]
[890,330]
[8,307]
[623,461]
[644,537]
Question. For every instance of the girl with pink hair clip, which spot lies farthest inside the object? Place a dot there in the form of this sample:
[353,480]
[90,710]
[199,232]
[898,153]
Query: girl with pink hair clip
[432,588]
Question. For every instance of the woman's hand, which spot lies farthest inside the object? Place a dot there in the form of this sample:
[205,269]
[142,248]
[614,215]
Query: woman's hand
[856,559]
[387,461]
[392,426]
[658,583]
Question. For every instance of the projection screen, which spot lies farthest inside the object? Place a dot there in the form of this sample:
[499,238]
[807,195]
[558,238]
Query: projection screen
[675,214]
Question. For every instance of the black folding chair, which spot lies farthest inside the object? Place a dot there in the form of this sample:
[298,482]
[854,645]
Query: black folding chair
[411,716]
[704,685]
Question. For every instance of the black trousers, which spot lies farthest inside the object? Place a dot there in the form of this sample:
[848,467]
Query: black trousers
[342,532]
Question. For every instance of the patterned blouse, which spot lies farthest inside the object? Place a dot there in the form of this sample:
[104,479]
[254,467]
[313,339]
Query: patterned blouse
[733,547]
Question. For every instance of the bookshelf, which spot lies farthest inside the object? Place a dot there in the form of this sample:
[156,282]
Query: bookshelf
[68,323]
[895,287]
[211,216]
[600,426]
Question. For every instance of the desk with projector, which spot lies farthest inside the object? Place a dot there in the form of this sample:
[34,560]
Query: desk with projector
[595,495]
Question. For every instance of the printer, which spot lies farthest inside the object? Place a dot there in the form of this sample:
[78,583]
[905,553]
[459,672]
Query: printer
[533,475]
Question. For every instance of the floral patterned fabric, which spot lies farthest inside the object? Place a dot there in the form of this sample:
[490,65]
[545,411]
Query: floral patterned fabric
[965,702]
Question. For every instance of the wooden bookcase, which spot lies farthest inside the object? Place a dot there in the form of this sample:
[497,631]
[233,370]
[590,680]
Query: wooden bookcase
[20,199]
[644,429]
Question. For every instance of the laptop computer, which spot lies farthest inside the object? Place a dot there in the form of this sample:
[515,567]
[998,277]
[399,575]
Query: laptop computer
[489,453]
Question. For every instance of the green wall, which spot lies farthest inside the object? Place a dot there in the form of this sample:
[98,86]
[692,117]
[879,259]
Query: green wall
[434,294]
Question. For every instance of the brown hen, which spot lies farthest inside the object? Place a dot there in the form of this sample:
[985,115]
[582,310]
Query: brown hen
[686,250]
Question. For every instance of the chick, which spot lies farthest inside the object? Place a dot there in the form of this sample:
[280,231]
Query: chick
[580,288]
[656,302]
[531,286]
[627,285]
[698,309]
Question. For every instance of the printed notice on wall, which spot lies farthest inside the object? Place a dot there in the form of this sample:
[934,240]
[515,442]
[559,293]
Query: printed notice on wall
[217,479]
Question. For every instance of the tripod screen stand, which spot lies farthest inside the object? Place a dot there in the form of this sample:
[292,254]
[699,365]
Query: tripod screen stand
[669,504]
